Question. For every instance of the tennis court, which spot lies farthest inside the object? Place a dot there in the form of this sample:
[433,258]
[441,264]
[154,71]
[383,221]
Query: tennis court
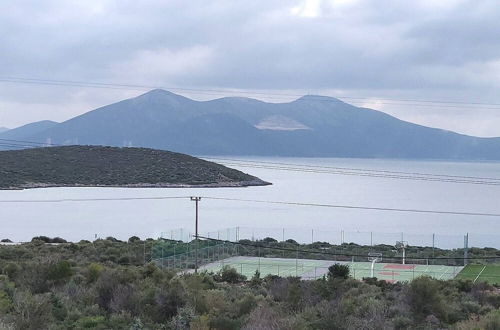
[399,272]
[481,273]
[311,269]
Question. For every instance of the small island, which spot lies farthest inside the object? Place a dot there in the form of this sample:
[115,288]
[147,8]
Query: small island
[100,166]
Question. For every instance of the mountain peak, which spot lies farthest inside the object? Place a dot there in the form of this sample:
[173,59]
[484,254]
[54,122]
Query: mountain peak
[161,96]
[316,98]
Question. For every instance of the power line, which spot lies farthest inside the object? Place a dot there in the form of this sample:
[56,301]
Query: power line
[356,207]
[385,174]
[352,207]
[63,200]
[341,254]
[413,102]
[364,174]
[347,168]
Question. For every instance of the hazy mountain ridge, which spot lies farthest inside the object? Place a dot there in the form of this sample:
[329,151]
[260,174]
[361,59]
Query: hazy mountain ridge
[322,127]
[28,130]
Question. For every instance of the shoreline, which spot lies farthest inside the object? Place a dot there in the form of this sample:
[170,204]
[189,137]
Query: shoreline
[237,184]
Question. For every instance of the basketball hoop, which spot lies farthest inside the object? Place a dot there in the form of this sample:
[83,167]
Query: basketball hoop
[374,257]
[402,245]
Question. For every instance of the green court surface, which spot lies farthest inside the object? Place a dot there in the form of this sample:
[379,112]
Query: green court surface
[481,273]
[311,269]
[400,272]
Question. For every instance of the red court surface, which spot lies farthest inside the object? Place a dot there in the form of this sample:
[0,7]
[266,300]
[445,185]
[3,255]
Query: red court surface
[389,273]
[395,266]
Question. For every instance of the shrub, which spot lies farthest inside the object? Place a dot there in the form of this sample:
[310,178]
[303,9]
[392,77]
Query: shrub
[60,271]
[338,271]
[134,239]
[230,275]
[269,240]
[93,272]
[44,239]
[490,321]
[33,312]
[11,270]
[58,240]
[5,302]
[425,298]
[255,281]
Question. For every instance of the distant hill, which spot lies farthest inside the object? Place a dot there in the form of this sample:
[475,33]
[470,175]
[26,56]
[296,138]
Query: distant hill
[112,166]
[28,130]
[3,129]
[311,126]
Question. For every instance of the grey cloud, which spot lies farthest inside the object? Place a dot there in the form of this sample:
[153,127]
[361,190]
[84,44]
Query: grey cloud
[414,48]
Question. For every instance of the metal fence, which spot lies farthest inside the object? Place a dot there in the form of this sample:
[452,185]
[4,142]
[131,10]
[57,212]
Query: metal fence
[368,238]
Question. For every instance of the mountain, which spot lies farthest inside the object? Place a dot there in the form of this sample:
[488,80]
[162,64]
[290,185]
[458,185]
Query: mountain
[3,129]
[28,130]
[311,126]
[111,166]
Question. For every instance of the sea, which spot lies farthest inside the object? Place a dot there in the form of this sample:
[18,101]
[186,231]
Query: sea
[337,200]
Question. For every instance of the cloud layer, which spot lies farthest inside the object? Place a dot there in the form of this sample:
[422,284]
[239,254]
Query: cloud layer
[430,50]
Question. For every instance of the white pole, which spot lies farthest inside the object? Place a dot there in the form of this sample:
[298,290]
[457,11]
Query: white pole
[403,254]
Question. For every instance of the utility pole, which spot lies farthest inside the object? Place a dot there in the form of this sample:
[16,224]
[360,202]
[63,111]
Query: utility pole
[196,200]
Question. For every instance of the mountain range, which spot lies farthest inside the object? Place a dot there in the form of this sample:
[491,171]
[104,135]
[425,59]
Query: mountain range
[311,126]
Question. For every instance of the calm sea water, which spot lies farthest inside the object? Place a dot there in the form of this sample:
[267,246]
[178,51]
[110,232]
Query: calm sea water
[149,218]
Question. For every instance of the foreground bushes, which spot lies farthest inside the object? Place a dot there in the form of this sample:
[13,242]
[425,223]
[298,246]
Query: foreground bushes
[79,286]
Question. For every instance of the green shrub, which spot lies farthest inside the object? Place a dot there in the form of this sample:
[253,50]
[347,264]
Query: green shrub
[60,271]
[91,322]
[11,270]
[338,271]
[426,299]
[230,275]
[93,272]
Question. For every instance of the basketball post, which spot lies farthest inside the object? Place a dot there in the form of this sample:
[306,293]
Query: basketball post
[374,257]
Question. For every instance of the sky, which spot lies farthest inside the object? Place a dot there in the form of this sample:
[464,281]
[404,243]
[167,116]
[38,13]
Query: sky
[382,54]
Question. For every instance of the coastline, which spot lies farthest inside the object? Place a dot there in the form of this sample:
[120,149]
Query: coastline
[236,184]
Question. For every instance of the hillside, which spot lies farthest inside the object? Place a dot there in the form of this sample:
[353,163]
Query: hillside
[19,133]
[311,126]
[111,166]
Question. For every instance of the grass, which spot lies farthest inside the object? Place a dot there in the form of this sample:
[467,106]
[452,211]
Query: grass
[481,273]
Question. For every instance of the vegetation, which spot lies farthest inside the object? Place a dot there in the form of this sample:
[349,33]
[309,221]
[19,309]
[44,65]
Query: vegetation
[110,166]
[108,284]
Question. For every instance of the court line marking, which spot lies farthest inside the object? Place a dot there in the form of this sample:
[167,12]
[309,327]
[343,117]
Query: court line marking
[479,274]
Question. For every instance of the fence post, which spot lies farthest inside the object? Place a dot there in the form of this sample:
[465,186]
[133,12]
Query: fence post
[297,262]
[433,243]
[466,246]
[259,259]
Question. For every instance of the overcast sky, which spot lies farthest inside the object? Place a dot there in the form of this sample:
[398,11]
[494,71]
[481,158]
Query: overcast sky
[440,50]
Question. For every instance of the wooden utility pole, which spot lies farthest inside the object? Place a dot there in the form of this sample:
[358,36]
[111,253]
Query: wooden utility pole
[196,200]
